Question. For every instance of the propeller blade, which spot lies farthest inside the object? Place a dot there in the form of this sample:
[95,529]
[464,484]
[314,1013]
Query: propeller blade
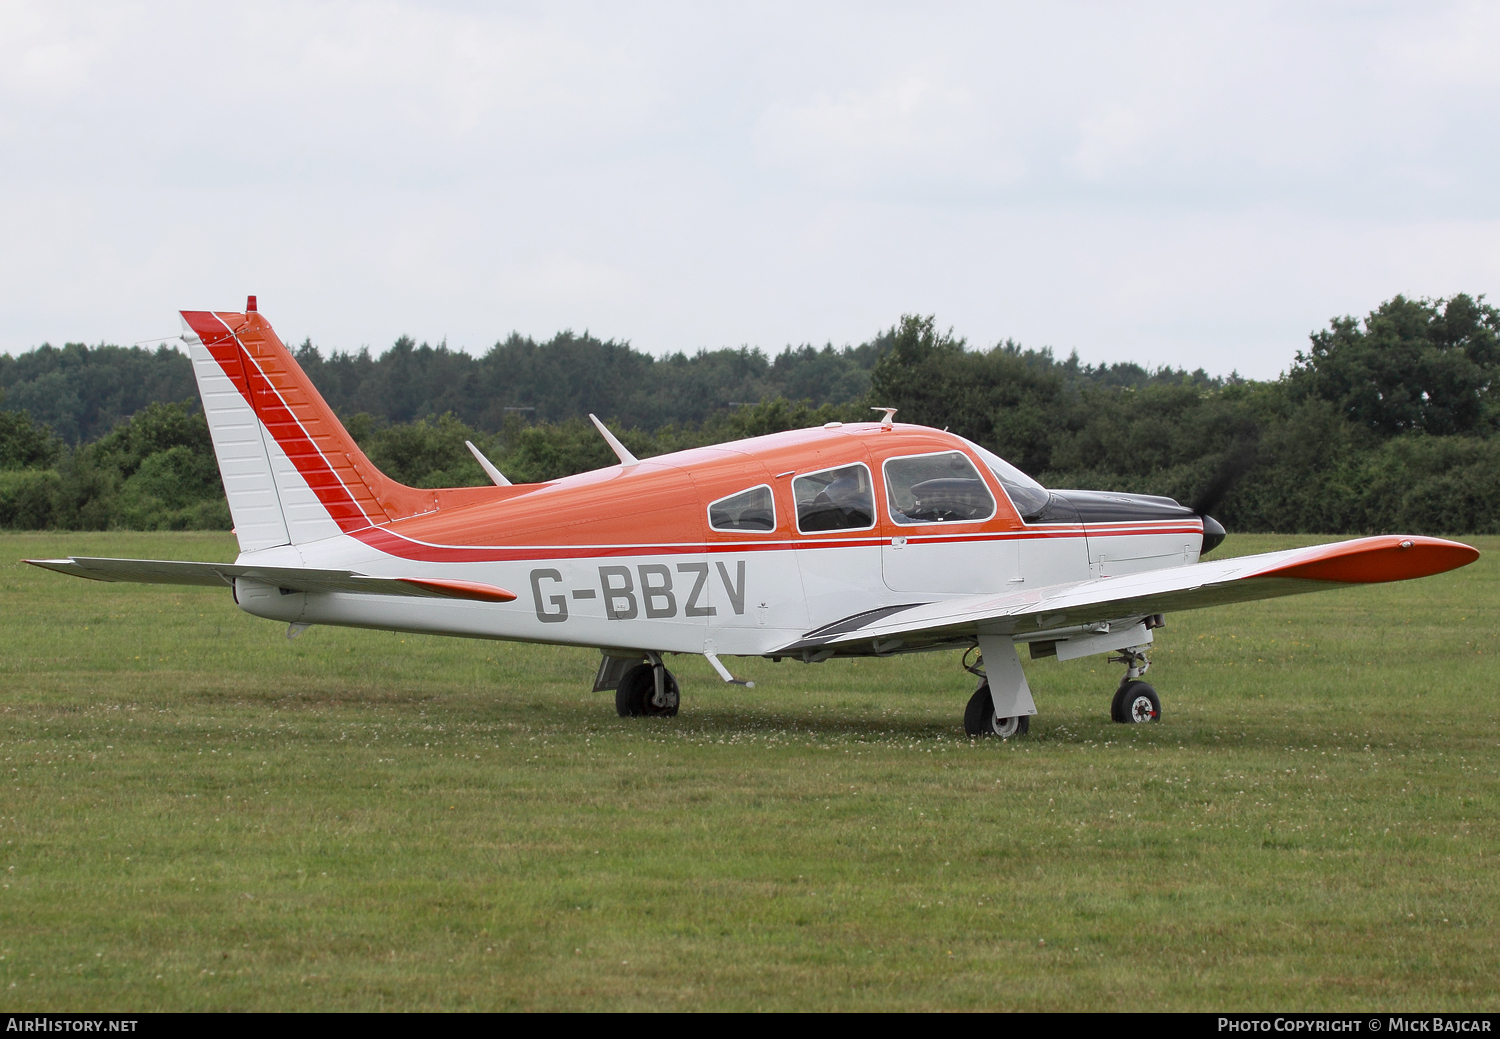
[1237,462]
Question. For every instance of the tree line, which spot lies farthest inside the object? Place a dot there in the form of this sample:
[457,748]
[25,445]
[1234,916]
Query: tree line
[1384,423]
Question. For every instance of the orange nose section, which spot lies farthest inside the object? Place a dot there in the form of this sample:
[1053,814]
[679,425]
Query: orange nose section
[1391,557]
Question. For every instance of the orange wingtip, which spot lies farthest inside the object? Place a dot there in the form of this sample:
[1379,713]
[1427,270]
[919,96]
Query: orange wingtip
[1390,557]
[462,589]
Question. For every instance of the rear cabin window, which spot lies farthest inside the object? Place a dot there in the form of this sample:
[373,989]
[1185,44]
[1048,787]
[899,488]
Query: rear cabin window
[835,499]
[748,510]
[940,488]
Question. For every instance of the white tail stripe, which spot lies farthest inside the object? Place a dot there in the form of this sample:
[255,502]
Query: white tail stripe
[240,446]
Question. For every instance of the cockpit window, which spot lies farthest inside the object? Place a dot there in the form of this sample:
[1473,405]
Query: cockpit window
[940,488]
[1028,496]
[748,510]
[835,499]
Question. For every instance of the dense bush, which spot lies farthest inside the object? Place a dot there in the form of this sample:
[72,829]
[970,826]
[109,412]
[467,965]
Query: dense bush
[153,471]
[27,498]
[82,392]
[571,375]
[1385,424]
[1341,444]
[431,452]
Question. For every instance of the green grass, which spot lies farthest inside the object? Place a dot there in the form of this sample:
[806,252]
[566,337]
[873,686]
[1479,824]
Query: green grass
[196,813]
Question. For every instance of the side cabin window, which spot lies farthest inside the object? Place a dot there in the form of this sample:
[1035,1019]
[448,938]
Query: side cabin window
[937,488]
[748,510]
[835,499]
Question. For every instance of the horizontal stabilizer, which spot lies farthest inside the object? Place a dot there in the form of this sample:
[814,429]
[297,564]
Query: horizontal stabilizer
[297,579]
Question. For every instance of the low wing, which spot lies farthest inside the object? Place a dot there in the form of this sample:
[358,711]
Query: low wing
[1084,607]
[298,579]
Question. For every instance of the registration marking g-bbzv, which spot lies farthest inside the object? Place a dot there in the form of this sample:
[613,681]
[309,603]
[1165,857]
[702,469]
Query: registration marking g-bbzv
[650,589]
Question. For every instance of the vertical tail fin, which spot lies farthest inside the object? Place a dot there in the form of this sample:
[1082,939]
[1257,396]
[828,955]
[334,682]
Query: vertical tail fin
[291,471]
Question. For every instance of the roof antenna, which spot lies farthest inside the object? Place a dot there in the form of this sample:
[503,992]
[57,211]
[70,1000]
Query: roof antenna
[495,475]
[626,458]
[886,423]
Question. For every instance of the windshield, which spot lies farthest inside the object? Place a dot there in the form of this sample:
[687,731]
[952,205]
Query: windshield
[1028,496]
[935,489]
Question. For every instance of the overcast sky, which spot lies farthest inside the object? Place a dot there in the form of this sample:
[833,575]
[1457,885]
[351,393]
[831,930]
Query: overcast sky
[1194,184]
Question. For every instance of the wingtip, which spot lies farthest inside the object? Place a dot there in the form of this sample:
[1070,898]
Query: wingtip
[1376,560]
[52,564]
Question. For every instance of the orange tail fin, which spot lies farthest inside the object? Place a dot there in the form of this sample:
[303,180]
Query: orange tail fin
[291,471]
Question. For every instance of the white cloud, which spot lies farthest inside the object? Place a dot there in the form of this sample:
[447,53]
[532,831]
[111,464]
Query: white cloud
[908,130]
[1170,183]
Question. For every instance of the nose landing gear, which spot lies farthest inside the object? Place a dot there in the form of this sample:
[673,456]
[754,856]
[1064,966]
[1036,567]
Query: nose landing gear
[1135,702]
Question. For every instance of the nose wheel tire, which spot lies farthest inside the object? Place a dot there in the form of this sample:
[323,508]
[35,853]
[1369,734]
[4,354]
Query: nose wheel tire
[635,696]
[979,717]
[1135,702]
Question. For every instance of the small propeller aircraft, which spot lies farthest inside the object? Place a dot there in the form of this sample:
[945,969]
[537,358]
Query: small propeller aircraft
[857,539]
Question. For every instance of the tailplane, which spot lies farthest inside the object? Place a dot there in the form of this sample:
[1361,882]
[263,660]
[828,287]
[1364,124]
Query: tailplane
[292,473]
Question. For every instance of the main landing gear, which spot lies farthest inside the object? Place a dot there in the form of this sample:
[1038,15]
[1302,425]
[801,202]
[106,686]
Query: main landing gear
[980,720]
[979,715]
[1135,701]
[647,690]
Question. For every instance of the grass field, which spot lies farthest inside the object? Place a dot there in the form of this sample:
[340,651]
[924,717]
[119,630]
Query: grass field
[198,814]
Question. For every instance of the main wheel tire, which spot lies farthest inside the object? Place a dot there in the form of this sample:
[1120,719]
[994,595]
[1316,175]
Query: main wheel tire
[1135,702]
[979,717]
[637,689]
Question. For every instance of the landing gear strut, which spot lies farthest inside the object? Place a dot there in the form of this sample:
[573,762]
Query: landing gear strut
[1135,701]
[979,715]
[648,690]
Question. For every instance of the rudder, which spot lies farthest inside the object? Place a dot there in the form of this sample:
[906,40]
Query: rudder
[291,472]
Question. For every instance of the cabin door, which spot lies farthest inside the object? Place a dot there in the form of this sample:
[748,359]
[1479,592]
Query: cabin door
[942,527]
